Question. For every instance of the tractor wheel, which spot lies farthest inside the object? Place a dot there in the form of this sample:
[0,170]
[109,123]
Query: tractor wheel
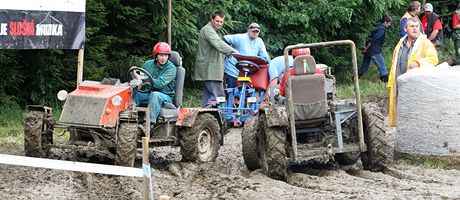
[250,143]
[347,158]
[379,151]
[273,150]
[126,144]
[200,143]
[38,133]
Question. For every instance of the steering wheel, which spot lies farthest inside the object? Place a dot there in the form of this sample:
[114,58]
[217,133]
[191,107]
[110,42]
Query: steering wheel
[142,74]
[247,66]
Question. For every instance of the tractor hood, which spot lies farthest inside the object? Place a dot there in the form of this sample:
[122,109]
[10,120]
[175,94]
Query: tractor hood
[95,105]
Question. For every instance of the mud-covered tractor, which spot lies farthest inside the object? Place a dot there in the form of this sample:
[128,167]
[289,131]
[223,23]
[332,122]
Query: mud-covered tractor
[103,122]
[314,124]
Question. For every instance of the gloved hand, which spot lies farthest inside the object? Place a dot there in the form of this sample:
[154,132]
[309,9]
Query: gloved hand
[135,83]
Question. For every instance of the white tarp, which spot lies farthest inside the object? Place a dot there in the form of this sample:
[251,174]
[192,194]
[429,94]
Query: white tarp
[428,119]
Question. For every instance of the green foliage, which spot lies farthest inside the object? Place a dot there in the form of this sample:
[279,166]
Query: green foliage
[120,34]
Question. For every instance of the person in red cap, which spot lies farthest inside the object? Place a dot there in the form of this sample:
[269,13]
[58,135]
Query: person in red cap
[163,73]
[456,32]
[432,26]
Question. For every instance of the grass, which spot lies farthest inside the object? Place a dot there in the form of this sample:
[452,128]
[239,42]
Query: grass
[429,162]
[11,128]
[368,88]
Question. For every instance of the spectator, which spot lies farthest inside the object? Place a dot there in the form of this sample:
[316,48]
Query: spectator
[249,44]
[456,32]
[412,11]
[210,59]
[412,51]
[432,26]
[163,73]
[373,49]
[291,73]
[277,65]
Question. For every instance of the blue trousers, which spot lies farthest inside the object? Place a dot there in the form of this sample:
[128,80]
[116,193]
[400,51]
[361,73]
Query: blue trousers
[155,100]
[211,90]
[378,60]
[230,81]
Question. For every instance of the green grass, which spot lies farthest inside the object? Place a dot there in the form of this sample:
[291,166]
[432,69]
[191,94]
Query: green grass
[192,97]
[11,128]
[428,163]
[368,88]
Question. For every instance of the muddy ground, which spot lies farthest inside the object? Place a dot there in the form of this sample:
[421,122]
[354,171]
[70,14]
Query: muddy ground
[228,178]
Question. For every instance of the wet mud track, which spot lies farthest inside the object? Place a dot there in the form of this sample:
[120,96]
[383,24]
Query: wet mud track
[228,178]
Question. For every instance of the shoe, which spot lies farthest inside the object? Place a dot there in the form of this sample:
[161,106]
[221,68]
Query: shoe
[384,79]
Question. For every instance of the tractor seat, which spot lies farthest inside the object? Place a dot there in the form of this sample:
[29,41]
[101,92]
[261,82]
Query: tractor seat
[308,91]
[171,110]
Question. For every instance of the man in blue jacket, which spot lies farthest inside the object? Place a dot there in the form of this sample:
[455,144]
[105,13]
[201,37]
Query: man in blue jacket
[248,44]
[373,50]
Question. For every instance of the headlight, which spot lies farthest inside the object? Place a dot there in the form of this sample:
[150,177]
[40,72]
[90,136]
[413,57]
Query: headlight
[62,95]
[117,100]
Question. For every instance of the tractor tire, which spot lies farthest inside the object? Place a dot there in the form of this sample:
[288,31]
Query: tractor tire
[273,150]
[250,143]
[200,143]
[347,158]
[36,138]
[379,151]
[126,144]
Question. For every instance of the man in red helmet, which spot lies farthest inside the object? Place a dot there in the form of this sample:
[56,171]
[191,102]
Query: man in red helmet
[163,73]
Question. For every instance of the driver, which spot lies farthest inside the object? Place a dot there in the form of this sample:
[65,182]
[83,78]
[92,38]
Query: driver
[163,73]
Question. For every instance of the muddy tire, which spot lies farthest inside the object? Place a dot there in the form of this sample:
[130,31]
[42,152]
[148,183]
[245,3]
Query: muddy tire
[250,143]
[38,133]
[379,151]
[273,150]
[200,143]
[347,158]
[126,144]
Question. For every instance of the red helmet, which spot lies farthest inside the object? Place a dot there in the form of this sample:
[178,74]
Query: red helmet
[303,51]
[161,47]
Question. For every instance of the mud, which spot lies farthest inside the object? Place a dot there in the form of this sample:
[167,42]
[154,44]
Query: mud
[228,178]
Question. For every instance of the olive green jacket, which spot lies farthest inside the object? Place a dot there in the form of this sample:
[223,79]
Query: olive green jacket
[210,55]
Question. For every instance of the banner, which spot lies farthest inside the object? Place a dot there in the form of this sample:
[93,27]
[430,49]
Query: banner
[42,24]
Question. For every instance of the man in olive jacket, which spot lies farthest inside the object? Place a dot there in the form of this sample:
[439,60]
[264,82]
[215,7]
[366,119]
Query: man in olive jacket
[210,59]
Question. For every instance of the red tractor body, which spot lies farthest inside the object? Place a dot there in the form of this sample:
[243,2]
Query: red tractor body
[93,105]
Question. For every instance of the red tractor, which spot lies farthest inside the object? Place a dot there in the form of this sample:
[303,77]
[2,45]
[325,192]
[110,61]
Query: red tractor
[102,121]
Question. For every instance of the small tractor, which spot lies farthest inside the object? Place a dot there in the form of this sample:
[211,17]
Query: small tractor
[314,124]
[244,100]
[103,122]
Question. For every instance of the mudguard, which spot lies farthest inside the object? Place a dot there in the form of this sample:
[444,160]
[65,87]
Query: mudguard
[276,115]
[187,116]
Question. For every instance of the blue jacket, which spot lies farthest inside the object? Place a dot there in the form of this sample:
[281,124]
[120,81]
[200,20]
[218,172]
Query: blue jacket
[246,46]
[376,39]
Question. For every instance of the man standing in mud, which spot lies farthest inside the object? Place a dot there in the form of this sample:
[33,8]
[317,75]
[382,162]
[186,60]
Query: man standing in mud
[412,51]
[249,44]
[209,66]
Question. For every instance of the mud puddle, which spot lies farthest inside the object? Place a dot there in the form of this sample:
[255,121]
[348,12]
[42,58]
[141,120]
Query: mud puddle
[228,178]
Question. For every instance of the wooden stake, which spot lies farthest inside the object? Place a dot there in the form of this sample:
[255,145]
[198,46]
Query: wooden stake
[147,178]
[80,66]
